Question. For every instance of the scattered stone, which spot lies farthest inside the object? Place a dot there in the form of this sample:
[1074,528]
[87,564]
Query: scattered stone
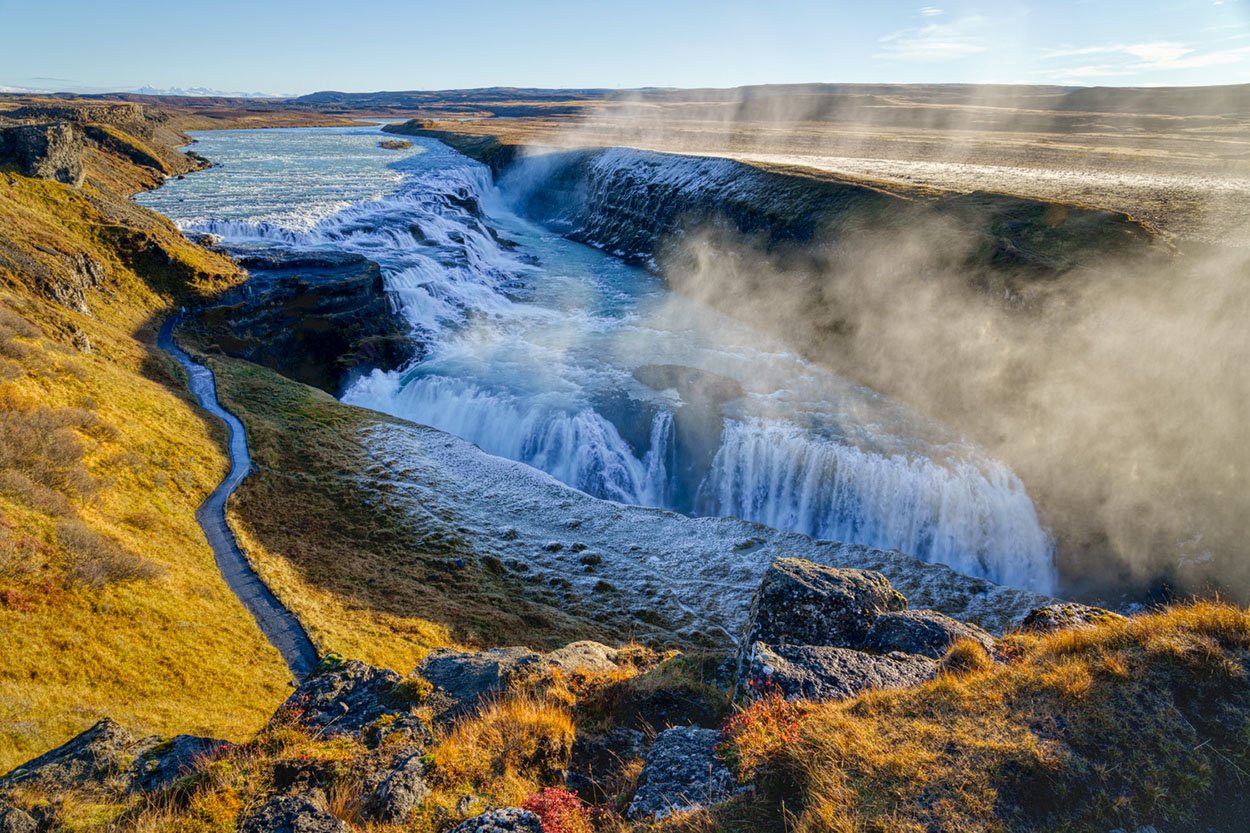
[1061,615]
[826,672]
[164,764]
[682,772]
[466,676]
[13,820]
[394,144]
[400,792]
[96,754]
[587,655]
[924,632]
[504,820]
[292,814]
[344,699]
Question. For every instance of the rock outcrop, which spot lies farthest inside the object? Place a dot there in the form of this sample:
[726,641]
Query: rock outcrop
[1061,615]
[292,814]
[823,672]
[924,632]
[162,766]
[316,319]
[504,820]
[344,699]
[467,676]
[824,633]
[104,750]
[401,790]
[804,603]
[45,151]
[682,772]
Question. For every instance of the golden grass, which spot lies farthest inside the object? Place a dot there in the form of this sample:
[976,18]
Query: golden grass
[366,577]
[1129,723]
[111,601]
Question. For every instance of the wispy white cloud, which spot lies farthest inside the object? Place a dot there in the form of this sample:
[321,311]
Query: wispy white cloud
[931,11]
[1128,59]
[937,41]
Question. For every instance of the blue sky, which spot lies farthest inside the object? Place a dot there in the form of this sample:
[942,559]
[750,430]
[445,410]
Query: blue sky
[298,47]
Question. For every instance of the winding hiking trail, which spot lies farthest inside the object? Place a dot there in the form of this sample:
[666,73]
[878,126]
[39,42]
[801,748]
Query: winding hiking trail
[278,623]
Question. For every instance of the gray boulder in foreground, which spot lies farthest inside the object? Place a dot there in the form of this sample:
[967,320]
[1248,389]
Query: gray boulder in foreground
[468,676]
[503,820]
[826,672]
[803,603]
[924,632]
[164,764]
[292,814]
[343,699]
[400,792]
[587,655]
[682,772]
[101,751]
[1061,615]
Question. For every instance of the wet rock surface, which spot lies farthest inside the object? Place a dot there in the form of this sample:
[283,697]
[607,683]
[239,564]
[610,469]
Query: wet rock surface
[924,632]
[317,319]
[682,772]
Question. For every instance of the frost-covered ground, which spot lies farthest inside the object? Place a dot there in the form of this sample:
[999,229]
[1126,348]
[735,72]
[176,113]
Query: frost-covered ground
[672,573]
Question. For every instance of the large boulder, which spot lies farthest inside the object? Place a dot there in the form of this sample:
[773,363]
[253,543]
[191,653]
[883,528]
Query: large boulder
[344,698]
[468,676]
[164,764]
[826,672]
[1062,615]
[587,656]
[803,603]
[682,772]
[504,820]
[924,632]
[292,814]
[100,752]
[401,790]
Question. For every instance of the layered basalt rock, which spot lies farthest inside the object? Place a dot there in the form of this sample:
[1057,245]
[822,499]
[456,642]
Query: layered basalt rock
[318,319]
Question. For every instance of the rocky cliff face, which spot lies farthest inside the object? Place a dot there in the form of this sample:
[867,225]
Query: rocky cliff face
[633,203]
[45,151]
[316,320]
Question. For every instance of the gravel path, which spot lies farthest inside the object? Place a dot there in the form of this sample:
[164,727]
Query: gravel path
[277,622]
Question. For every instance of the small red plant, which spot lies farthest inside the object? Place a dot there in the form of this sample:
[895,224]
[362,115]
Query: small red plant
[560,811]
[757,731]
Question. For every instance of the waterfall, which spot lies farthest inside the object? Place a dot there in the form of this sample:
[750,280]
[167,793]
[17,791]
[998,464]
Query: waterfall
[974,518]
[526,341]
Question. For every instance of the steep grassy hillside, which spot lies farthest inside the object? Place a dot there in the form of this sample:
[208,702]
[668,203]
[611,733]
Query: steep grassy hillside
[367,578]
[110,602]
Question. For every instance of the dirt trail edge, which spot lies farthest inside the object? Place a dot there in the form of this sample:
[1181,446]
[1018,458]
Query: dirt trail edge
[277,622]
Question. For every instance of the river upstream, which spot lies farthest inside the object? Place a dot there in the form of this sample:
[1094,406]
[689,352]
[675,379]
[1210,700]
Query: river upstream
[560,356]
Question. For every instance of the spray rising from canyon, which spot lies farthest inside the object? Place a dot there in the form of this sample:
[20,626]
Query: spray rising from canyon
[1118,391]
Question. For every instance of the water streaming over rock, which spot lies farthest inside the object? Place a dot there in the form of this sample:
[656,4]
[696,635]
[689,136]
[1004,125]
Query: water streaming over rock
[552,353]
